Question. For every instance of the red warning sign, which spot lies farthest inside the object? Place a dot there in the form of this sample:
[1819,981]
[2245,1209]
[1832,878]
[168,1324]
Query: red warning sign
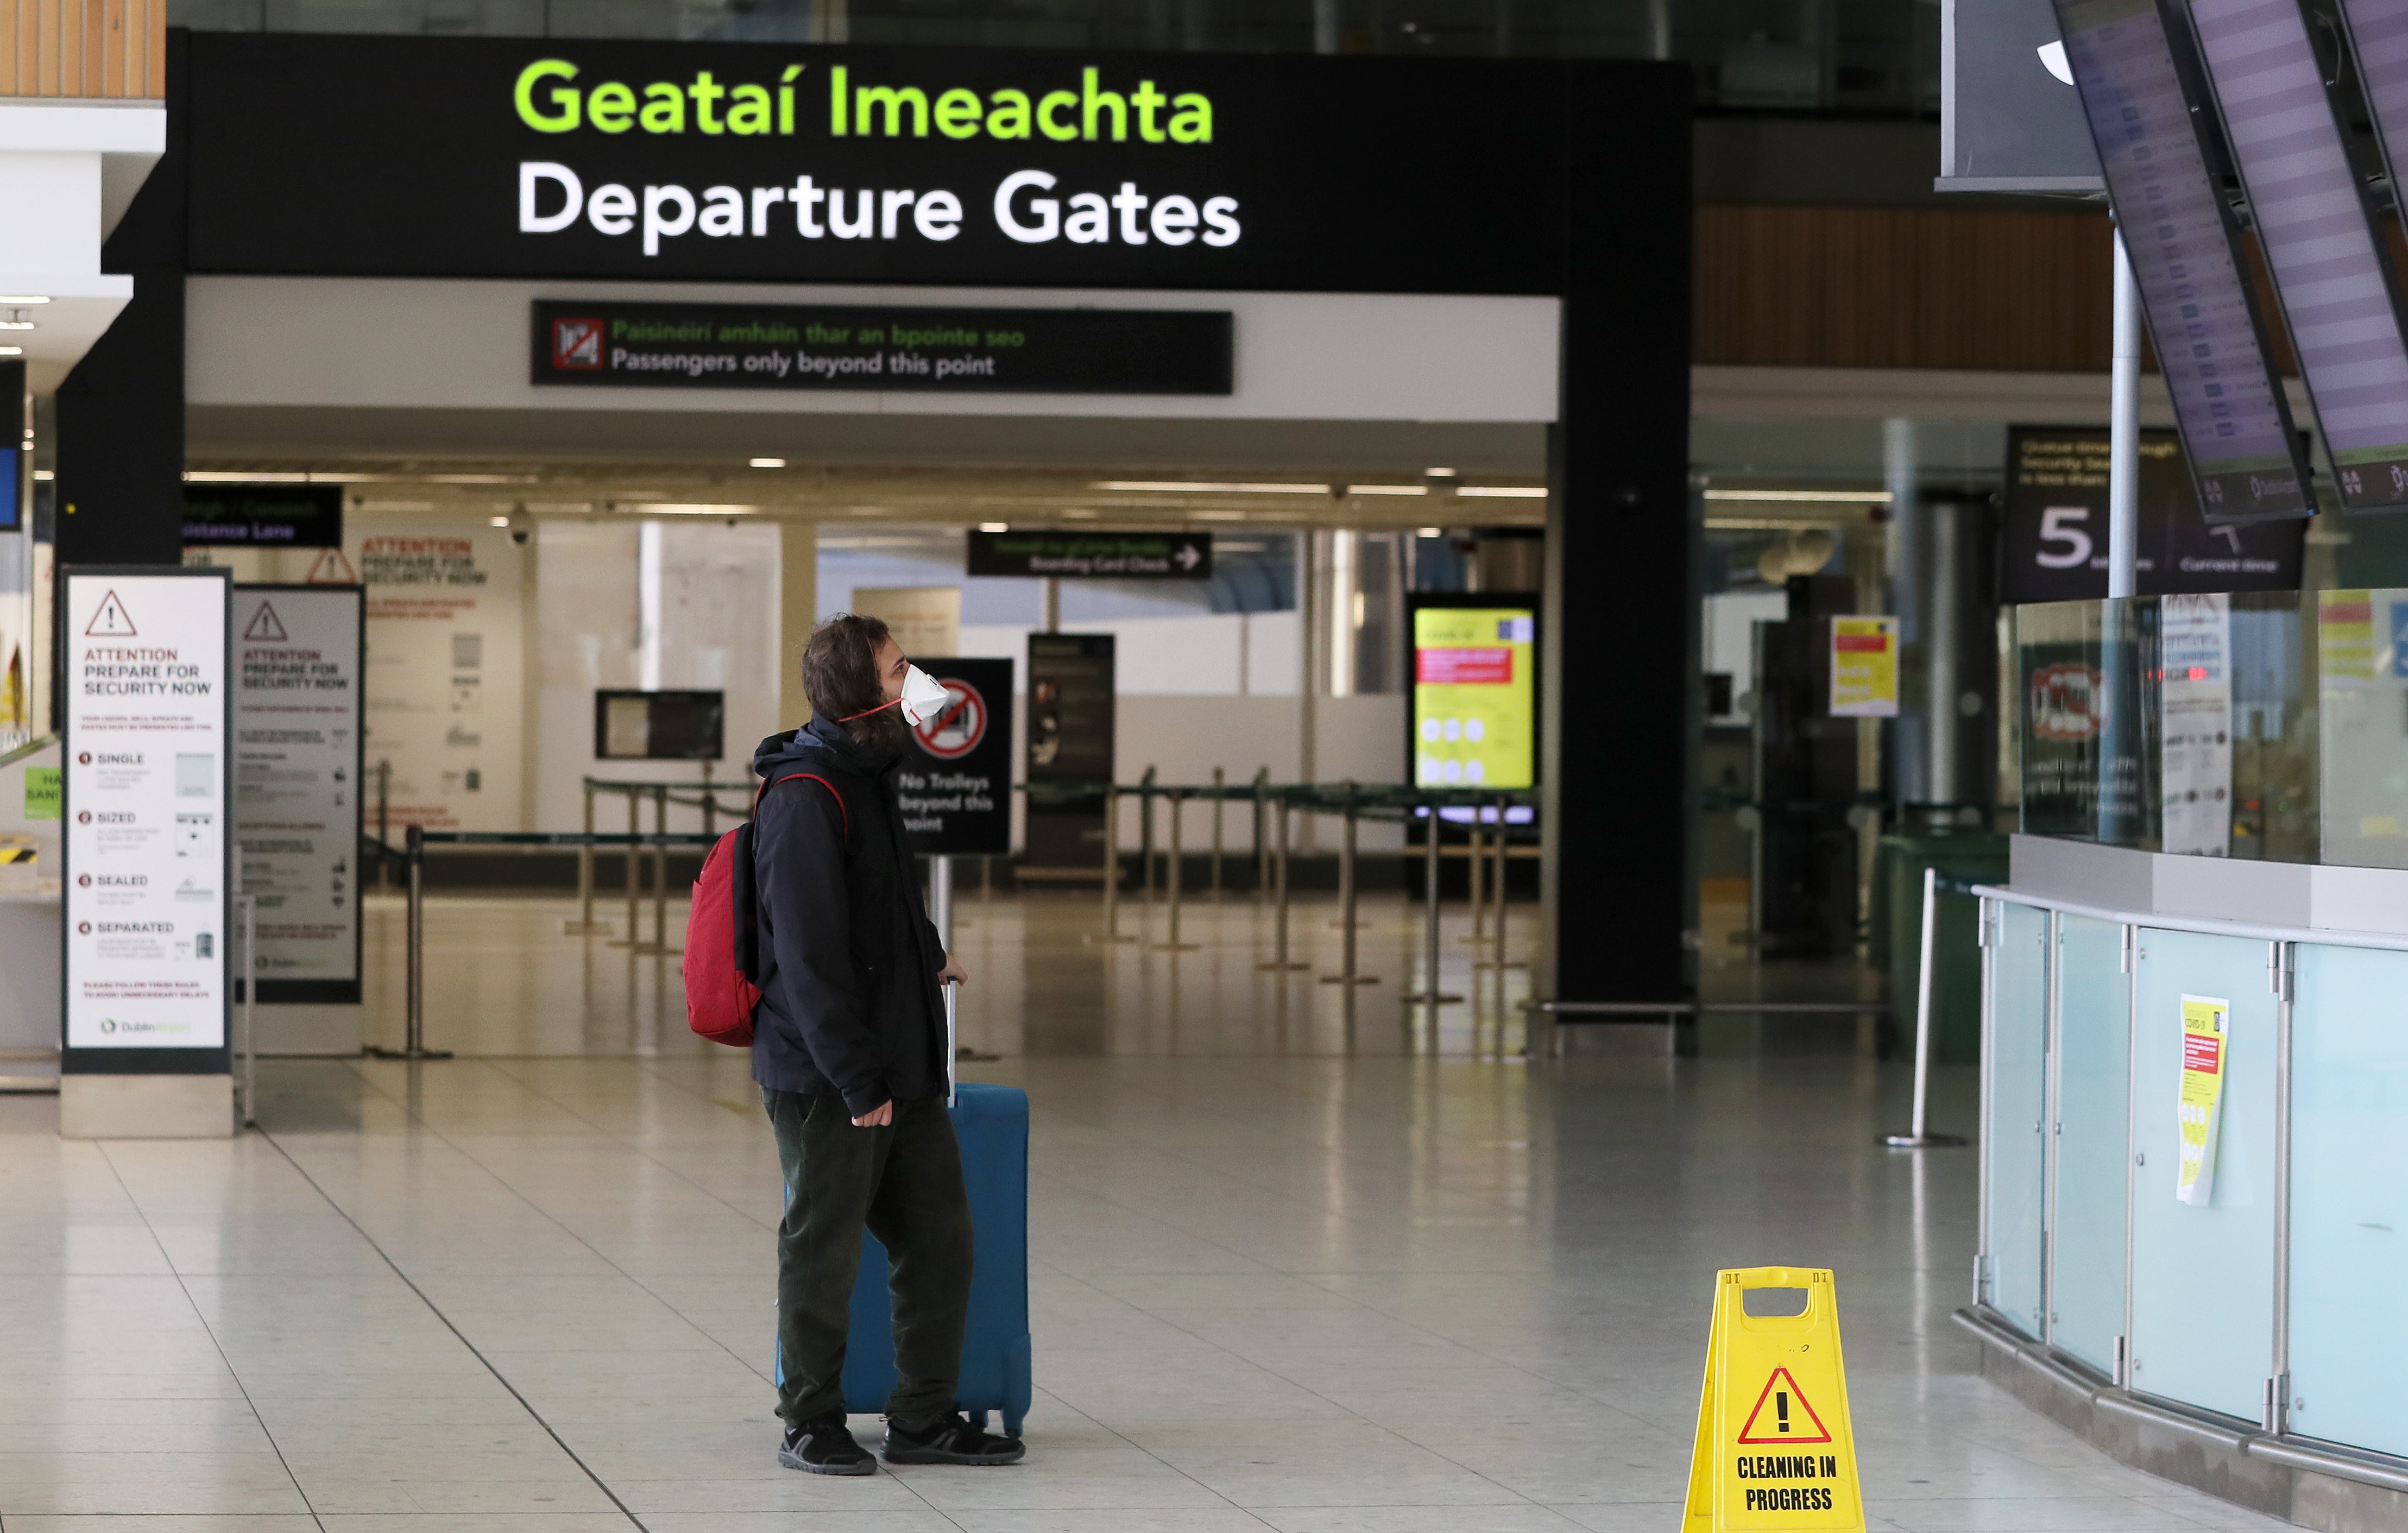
[1783,1415]
[109,620]
[959,726]
[265,627]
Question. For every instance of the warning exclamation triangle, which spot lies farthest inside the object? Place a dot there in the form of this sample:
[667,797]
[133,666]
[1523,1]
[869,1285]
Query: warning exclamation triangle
[265,627]
[1782,1415]
[110,621]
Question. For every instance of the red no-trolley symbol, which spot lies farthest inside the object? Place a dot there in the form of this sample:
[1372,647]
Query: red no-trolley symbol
[959,726]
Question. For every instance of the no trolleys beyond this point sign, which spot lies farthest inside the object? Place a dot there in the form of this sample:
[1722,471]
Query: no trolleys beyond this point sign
[1775,1453]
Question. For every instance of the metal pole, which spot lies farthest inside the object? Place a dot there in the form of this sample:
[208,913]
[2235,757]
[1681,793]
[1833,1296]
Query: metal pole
[248,905]
[631,854]
[2124,435]
[1347,975]
[941,899]
[1113,866]
[1262,839]
[1177,807]
[1504,848]
[584,925]
[660,942]
[384,836]
[414,959]
[1918,1137]
[952,1033]
[709,804]
[1278,898]
[1430,993]
[1475,871]
[1219,780]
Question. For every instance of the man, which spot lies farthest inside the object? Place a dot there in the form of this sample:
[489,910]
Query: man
[848,1048]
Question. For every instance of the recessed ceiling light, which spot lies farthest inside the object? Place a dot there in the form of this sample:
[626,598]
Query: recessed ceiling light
[768,462]
[995,526]
[225,476]
[668,508]
[1855,497]
[16,324]
[498,521]
[1200,487]
[1512,492]
[11,351]
[18,300]
[44,475]
[1440,473]
[1387,489]
[1429,532]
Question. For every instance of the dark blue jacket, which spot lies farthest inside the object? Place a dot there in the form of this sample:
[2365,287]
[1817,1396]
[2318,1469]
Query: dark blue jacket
[849,961]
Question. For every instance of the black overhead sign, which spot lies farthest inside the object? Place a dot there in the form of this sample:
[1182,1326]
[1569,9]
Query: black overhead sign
[291,516]
[940,351]
[560,158]
[2055,531]
[1093,555]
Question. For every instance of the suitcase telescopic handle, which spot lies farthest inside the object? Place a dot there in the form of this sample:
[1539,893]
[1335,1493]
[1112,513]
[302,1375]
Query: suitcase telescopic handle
[952,1034]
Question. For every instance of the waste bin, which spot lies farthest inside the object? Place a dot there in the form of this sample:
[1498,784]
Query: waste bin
[1896,938]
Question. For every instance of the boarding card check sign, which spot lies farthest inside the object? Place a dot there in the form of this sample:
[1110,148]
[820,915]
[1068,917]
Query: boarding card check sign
[296,767]
[146,806]
[2207,1023]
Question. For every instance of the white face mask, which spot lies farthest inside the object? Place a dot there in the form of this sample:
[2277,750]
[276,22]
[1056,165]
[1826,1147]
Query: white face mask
[925,697]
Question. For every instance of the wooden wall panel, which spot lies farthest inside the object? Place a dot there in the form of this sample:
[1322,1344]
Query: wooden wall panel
[107,49]
[1903,287]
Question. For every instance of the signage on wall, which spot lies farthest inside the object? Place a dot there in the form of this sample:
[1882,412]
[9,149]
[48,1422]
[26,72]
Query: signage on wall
[1475,696]
[944,350]
[660,725]
[1093,555]
[2055,526]
[955,790]
[1071,721]
[296,777]
[1864,667]
[295,516]
[146,869]
[771,162]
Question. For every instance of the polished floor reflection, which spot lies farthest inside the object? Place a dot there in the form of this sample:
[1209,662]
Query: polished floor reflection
[1277,1283]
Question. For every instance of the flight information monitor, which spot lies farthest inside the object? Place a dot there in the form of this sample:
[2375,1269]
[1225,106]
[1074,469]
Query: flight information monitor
[2318,234]
[2185,255]
[1475,694]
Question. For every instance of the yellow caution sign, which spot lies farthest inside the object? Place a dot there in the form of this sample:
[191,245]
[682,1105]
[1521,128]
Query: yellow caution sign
[1775,1453]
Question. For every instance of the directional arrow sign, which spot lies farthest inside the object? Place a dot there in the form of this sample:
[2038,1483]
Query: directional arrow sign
[1093,555]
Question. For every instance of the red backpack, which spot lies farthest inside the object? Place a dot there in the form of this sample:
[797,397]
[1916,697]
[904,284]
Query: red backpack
[723,932]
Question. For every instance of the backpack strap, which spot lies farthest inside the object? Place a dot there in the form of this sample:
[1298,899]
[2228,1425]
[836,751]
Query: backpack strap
[814,777]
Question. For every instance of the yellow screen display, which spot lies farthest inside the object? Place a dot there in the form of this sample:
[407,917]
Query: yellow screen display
[1473,704]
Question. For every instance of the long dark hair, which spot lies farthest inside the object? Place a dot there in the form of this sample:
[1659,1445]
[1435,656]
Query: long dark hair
[840,678]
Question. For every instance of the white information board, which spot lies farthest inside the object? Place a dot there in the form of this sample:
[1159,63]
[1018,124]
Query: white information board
[146,808]
[297,766]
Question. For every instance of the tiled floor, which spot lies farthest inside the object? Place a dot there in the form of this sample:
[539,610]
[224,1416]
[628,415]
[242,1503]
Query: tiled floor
[1276,1284]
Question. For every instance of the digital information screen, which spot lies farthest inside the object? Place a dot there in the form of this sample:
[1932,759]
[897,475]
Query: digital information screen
[2319,236]
[2235,423]
[1475,709]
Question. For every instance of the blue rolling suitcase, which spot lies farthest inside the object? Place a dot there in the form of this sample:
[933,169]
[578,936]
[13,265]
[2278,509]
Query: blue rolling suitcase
[991,1123]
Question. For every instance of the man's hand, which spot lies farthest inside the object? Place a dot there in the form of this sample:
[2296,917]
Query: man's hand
[881,1116]
[952,973]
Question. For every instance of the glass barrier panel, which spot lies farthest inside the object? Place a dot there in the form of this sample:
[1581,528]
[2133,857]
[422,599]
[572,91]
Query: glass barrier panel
[2349,1208]
[2086,671]
[2016,1060]
[2362,674]
[2085,1266]
[2203,1273]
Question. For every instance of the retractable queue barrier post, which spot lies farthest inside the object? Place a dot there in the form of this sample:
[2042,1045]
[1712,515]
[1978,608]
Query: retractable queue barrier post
[1145,833]
[583,925]
[941,899]
[1262,834]
[1918,1135]
[1113,866]
[384,834]
[414,962]
[660,942]
[248,906]
[1219,782]
[1178,812]
[1346,955]
[1504,845]
[1429,994]
[631,855]
[1280,960]
[1476,872]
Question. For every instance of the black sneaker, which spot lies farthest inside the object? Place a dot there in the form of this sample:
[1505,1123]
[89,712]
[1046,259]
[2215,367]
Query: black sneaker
[823,1445]
[949,1438]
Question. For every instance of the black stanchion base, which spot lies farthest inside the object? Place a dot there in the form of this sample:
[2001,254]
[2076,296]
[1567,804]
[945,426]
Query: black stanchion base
[1928,1141]
[409,1054]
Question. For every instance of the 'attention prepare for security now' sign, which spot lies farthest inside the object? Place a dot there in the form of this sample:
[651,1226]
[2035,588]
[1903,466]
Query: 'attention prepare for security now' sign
[973,351]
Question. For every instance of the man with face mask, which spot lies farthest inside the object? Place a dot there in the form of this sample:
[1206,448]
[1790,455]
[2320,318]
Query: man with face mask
[848,1049]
